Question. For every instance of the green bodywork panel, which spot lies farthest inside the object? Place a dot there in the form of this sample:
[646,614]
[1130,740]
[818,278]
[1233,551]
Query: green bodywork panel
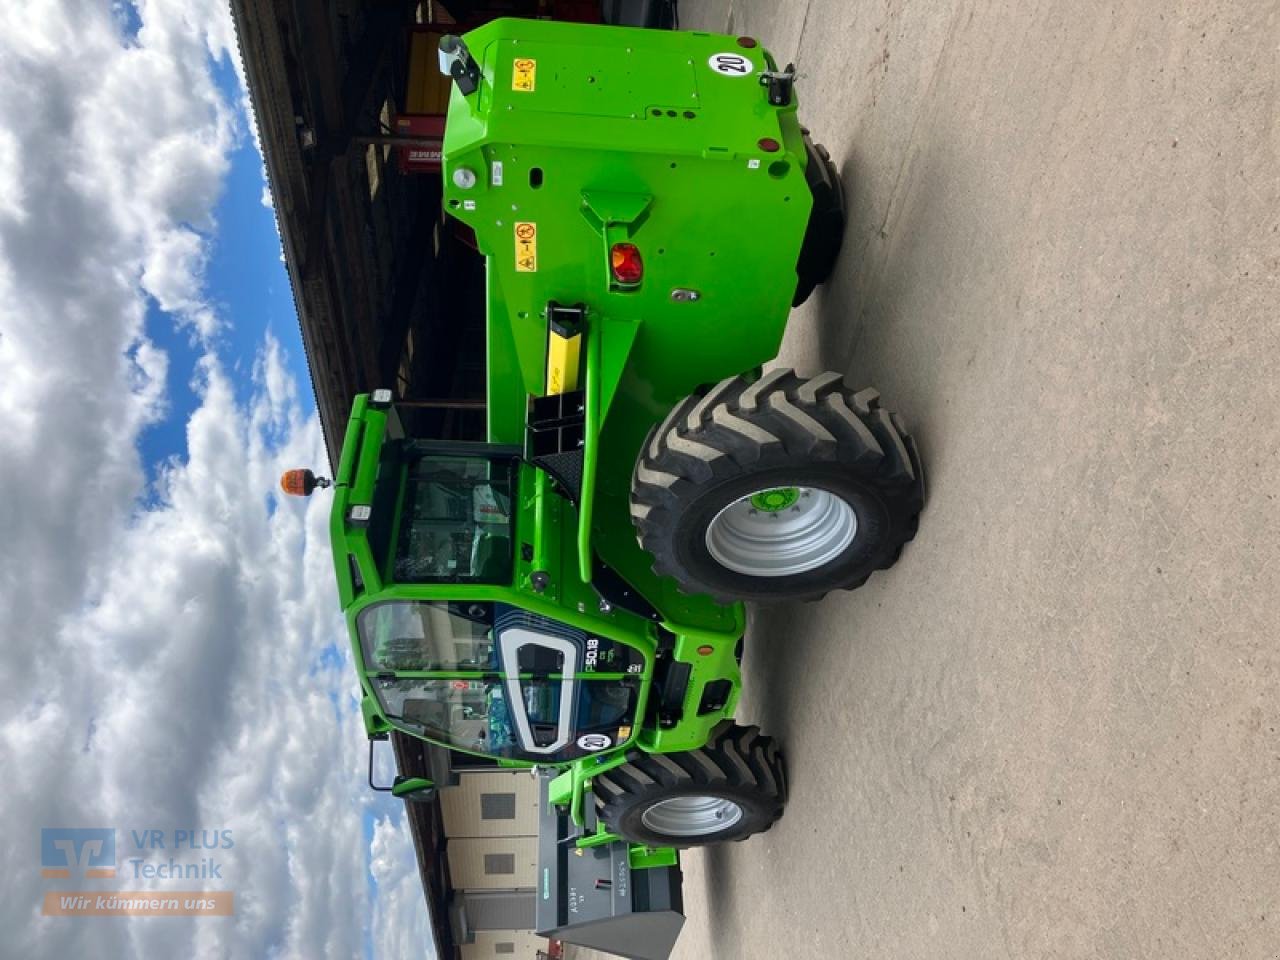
[626,136]
[542,519]
[643,858]
[709,210]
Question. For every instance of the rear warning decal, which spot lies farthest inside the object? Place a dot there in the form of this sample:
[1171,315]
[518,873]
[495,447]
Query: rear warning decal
[524,74]
[526,247]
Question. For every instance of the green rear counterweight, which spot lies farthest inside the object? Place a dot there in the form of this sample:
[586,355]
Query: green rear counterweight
[666,141]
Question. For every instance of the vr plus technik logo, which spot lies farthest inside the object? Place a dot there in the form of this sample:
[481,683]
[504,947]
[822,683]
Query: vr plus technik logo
[68,853]
[160,859]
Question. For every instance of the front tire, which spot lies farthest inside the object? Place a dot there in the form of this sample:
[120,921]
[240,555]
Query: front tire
[785,488]
[731,788]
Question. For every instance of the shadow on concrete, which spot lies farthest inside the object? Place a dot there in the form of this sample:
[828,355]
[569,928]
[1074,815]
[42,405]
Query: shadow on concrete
[859,330]
[860,327]
[780,649]
[721,903]
[775,663]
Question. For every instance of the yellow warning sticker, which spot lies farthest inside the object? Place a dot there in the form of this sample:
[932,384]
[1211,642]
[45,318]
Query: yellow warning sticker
[524,74]
[526,247]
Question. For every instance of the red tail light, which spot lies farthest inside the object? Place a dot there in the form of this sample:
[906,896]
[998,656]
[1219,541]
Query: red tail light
[625,262]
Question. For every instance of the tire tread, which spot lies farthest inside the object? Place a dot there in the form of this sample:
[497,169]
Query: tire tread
[735,758]
[737,426]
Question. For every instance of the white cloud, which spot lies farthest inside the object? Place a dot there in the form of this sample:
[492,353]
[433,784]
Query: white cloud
[12,195]
[173,273]
[399,922]
[162,664]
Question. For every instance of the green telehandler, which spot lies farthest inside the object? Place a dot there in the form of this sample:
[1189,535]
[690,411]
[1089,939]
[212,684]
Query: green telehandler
[569,594]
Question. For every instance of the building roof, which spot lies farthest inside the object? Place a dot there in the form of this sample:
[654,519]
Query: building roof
[414,758]
[364,244]
[365,253]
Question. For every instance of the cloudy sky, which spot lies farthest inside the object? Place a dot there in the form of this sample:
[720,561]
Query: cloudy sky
[174,658]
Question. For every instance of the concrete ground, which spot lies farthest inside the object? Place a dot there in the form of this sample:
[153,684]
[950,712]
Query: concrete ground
[1051,730]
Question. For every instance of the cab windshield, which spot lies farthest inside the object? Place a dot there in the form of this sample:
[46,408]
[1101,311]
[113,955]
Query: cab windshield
[490,678]
[467,714]
[415,635]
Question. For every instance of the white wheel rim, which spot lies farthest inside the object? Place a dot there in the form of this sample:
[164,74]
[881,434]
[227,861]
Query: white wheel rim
[694,816]
[801,535]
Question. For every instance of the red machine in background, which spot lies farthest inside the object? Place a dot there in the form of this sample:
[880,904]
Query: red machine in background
[426,96]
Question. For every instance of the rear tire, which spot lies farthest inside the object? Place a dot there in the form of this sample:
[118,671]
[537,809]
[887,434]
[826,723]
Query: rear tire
[785,488]
[731,788]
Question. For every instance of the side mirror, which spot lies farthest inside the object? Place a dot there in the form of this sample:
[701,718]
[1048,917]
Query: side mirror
[417,789]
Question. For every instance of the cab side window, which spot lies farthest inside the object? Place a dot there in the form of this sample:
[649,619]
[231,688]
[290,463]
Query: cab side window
[455,521]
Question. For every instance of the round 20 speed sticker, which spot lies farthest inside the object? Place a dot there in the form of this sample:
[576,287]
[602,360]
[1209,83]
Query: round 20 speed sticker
[731,64]
[594,742]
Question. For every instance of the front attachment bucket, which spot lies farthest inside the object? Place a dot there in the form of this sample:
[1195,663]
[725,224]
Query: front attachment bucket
[592,897]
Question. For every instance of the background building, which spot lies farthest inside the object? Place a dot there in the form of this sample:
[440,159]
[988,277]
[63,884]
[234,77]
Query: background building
[491,819]
[477,852]
[368,255]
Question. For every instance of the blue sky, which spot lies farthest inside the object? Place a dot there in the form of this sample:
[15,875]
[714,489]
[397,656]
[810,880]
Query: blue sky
[246,278]
[194,669]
